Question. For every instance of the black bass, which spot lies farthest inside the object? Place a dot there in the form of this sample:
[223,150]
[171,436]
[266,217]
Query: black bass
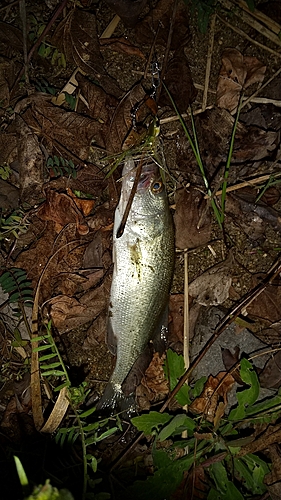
[143,268]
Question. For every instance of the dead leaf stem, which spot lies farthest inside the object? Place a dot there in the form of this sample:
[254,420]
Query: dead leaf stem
[250,182]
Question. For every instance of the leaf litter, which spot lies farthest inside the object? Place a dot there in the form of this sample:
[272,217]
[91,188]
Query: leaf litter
[70,233]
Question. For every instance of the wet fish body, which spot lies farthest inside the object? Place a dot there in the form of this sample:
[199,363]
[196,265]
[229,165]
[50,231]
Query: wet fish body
[143,267]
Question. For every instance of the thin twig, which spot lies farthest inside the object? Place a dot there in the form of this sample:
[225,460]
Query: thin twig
[248,19]
[247,37]
[186,314]
[258,14]
[111,27]
[209,61]
[250,182]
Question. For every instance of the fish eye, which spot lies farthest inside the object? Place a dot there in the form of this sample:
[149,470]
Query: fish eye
[157,187]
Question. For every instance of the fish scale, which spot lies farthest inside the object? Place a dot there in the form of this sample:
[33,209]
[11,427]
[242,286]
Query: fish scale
[143,267]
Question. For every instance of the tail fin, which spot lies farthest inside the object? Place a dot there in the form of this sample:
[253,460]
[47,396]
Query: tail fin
[114,401]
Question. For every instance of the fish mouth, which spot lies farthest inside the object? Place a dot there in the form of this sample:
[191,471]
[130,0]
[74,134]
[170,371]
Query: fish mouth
[149,174]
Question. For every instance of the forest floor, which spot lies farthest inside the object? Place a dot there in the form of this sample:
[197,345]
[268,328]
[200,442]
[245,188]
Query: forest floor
[71,103]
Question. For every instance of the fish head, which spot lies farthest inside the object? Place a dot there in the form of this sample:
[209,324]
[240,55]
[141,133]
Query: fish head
[150,198]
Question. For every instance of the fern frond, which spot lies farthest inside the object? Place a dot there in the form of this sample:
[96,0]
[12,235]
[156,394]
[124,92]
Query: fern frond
[14,282]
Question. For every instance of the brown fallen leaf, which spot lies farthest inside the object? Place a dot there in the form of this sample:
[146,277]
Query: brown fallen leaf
[121,45]
[100,105]
[237,73]
[68,313]
[154,385]
[230,360]
[208,402]
[273,478]
[212,287]
[95,332]
[176,305]
[61,208]
[196,484]
[162,12]
[251,216]
[253,144]
[57,126]
[270,376]
[191,210]
[30,160]
[10,40]
[267,305]
[178,80]
[84,205]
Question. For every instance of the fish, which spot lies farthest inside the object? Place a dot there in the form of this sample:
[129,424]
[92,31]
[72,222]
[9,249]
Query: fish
[143,258]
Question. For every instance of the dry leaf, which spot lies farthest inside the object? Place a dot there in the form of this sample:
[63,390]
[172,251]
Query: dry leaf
[73,131]
[100,105]
[68,313]
[212,287]
[30,159]
[162,12]
[267,305]
[176,305]
[60,208]
[84,205]
[208,402]
[10,40]
[191,210]
[178,80]
[270,376]
[154,385]
[237,73]
[121,45]
[95,332]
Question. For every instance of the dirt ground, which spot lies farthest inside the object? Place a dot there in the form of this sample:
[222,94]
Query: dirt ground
[57,205]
